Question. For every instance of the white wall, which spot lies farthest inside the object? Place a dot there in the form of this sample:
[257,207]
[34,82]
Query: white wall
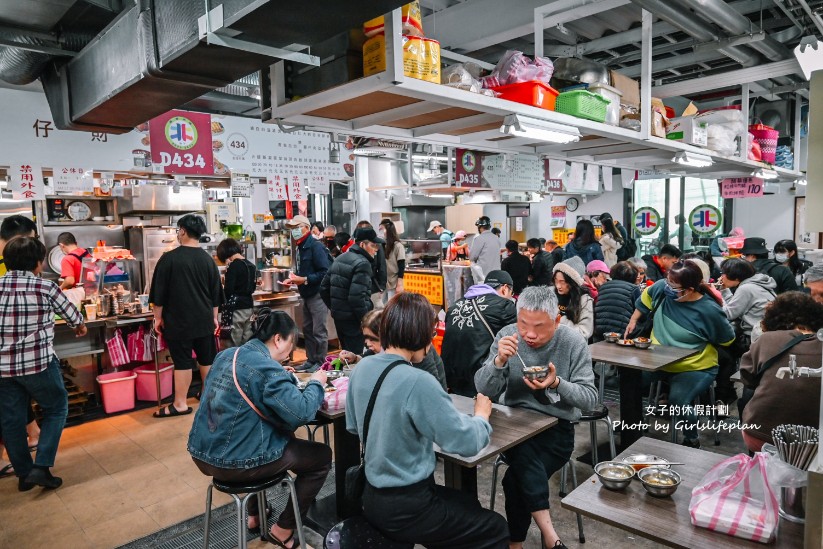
[611,202]
[770,217]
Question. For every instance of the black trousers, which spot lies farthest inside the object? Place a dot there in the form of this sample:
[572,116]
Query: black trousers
[434,516]
[526,482]
[310,461]
[350,335]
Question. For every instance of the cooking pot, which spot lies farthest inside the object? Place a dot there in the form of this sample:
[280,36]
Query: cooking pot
[272,278]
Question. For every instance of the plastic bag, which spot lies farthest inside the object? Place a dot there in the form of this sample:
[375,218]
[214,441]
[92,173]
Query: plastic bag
[735,498]
[782,474]
[515,67]
[136,344]
[118,354]
[336,400]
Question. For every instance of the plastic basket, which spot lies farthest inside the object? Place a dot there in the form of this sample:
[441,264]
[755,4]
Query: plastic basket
[583,104]
[534,93]
[117,389]
[146,385]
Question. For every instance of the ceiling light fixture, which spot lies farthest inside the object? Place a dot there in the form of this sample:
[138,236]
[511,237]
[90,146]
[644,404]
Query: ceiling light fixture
[434,163]
[763,173]
[693,160]
[800,181]
[515,125]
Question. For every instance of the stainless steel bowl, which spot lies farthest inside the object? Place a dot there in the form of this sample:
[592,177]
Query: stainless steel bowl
[535,372]
[614,475]
[334,374]
[659,481]
[611,337]
[642,344]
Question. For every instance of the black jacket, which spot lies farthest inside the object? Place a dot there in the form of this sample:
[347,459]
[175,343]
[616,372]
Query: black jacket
[653,270]
[614,307]
[381,274]
[558,255]
[780,273]
[519,267]
[466,342]
[542,269]
[347,287]
[313,260]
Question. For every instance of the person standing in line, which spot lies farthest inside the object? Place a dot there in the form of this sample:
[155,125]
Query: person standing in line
[381,275]
[485,249]
[317,230]
[556,252]
[72,263]
[541,271]
[346,289]
[186,294]
[443,234]
[311,265]
[584,245]
[611,240]
[28,366]
[240,284]
[518,266]
[329,233]
[755,251]
[395,258]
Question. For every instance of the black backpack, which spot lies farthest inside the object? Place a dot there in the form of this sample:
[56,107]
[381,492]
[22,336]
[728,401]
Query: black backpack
[629,247]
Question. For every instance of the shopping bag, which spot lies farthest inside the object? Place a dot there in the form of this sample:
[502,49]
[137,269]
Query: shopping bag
[336,400]
[118,354]
[135,344]
[735,498]
[148,345]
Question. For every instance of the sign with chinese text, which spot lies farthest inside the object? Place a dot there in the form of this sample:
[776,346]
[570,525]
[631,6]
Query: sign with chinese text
[181,143]
[240,185]
[26,181]
[705,219]
[741,187]
[276,188]
[558,216]
[513,172]
[318,184]
[295,188]
[429,286]
[468,171]
[646,221]
[72,179]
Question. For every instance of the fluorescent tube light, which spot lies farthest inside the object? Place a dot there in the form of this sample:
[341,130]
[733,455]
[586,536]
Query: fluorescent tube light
[692,159]
[800,181]
[515,125]
[763,173]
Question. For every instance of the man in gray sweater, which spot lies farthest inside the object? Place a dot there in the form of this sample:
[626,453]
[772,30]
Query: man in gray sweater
[568,388]
[485,249]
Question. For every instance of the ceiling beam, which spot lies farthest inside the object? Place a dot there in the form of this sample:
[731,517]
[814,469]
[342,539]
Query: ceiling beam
[726,79]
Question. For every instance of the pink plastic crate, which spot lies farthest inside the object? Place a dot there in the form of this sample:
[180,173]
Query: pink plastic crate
[147,385]
[117,389]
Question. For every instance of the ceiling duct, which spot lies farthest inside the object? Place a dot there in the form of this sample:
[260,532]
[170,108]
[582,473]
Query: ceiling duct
[151,58]
[20,65]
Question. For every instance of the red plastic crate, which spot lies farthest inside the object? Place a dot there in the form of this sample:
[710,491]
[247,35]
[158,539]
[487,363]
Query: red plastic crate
[534,93]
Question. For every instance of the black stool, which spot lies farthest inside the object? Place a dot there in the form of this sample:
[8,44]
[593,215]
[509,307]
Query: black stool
[250,489]
[312,427]
[357,533]
[593,417]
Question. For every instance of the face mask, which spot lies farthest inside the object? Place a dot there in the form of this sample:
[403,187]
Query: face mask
[781,258]
[670,293]
[318,236]
[381,234]
[297,233]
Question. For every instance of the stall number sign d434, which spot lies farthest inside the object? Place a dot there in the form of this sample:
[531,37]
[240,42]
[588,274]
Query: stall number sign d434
[181,143]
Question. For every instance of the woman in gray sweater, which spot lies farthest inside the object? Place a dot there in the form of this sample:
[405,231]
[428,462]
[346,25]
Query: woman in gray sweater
[564,392]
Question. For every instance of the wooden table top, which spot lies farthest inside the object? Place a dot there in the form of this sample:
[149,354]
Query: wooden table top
[651,359]
[510,427]
[331,414]
[665,520]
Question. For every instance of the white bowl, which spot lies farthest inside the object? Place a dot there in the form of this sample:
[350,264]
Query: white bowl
[109,218]
[98,218]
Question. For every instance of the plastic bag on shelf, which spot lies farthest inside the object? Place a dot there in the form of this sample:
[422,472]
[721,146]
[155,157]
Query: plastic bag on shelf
[460,76]
[722,139]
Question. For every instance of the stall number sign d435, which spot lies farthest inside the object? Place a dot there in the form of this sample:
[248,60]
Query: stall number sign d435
[181,143]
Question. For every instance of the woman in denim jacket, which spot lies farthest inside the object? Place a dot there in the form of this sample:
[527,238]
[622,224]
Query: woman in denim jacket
[231,442]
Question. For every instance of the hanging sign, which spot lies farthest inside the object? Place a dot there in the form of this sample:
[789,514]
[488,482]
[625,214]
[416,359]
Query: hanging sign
[71,179]
[240,185]
[296,188]
[558,216]
[181,143]
[705,219]
[276,188]
[646,221]
[469,170]
[26,181]
[318,184]
[741,187]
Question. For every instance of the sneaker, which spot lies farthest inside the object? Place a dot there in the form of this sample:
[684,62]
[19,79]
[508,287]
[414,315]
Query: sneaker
[41,476]
[691,443]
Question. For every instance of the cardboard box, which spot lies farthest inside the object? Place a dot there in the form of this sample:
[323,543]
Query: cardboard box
[688,130]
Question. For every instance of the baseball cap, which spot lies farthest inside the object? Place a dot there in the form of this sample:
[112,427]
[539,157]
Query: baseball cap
[459,234]
[298,220]
[597,265]
[432,225]
[365,233]
[498,278]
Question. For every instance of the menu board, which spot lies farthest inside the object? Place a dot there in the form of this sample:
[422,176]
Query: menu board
[516,172]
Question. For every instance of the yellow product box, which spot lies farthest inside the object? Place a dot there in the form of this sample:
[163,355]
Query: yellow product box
[411,17]
[421,57]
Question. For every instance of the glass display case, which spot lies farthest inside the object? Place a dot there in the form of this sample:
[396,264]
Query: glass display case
[109,283]
[423,256]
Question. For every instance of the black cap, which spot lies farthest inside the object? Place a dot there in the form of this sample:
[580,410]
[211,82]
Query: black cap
[365,233]
[498,278]
[754,246]
[483,221]
[605,215]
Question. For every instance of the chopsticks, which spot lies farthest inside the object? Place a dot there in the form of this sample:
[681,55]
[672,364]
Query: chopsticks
[796,444]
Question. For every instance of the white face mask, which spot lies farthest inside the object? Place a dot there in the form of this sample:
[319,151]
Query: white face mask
[318,236]
[781,258]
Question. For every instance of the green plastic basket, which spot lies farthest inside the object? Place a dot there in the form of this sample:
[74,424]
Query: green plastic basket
[582,104]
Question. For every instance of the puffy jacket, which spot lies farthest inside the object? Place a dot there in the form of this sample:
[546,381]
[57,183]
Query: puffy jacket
[748,301]
[313,263]
[347,287]
[542,269]
[587,253]
[227,432]
[614,307]
[381,274]
[609,246]
[467,340]
[781,274]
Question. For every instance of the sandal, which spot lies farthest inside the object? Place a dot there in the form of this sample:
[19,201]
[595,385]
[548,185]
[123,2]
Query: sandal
[7,471]
[271,539]
[171,411]
[256,529]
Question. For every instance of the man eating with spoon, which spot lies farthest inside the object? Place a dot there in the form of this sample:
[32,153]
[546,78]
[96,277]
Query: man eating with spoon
[568,388]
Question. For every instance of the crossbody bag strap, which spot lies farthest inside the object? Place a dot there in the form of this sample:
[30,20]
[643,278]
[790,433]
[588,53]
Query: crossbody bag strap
[242,393]
[486,324]
[370,407]
[792,342]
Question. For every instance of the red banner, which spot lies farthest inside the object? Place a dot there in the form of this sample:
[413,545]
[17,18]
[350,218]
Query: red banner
[181,143]
[469,169]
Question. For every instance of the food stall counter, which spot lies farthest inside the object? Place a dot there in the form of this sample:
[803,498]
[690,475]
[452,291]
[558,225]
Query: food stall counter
[424,274]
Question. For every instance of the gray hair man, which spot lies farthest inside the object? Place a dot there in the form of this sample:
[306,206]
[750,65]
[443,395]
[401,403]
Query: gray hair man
[568,387]
[813,279]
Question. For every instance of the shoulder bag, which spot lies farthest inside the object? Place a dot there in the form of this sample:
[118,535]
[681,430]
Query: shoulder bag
[645,330]
[482,318]
[356,475]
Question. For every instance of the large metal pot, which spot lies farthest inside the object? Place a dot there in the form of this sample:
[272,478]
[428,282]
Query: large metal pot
[272,278]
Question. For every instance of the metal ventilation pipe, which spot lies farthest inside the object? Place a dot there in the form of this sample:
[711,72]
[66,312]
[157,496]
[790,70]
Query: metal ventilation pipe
[720,13]
[696,28]
[20,67]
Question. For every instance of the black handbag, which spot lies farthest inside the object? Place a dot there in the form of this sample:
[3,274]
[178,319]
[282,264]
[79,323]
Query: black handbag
[645,330]
[356,475]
